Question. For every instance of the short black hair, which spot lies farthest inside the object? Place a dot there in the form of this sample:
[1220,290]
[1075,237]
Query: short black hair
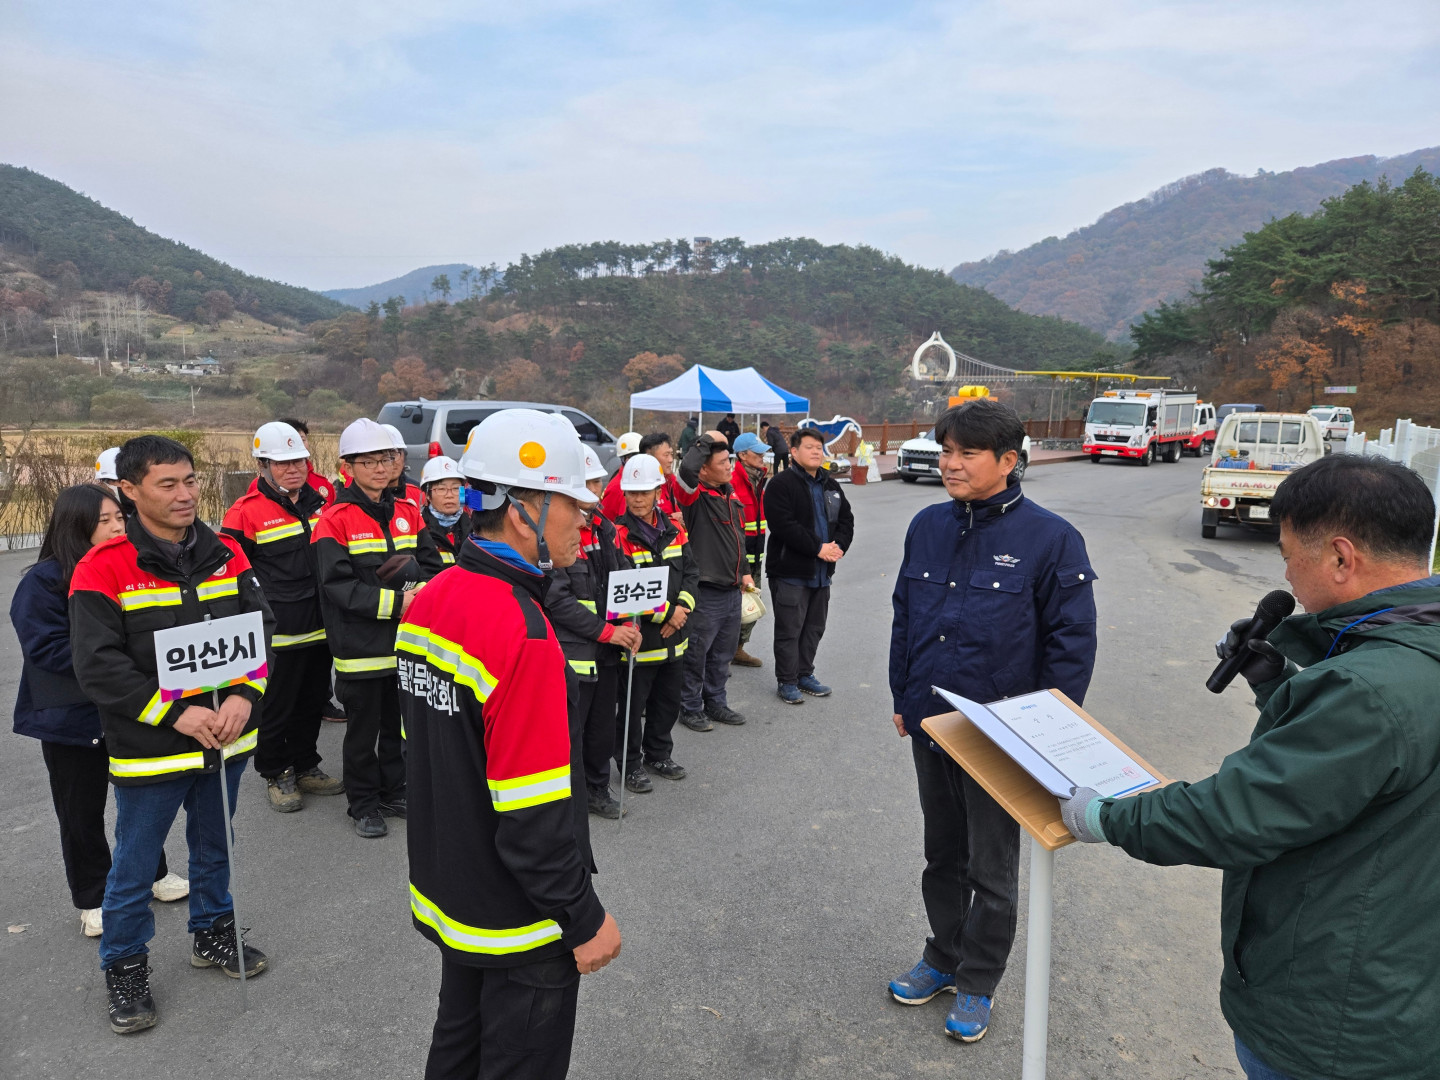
[805,433]
[1381,506]
[491,523]
[981,424]
[138,454]
[654,439]
[298,424]
[72,522]
[764,423]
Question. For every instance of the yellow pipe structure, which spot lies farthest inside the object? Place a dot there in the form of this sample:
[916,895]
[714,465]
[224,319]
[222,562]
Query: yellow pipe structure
[1114,376]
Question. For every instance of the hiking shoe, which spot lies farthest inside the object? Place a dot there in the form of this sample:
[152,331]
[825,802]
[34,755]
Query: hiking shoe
[696,721]
[371,825]
[969,1017]
[215,947]
[789,693]
[90,922]
[744,659]
[813,686]
[920,984]
[637,781]
[723,714]
[284,796]
[170,888]
[317,782]
[603,804]
[667,768]
[127,985]
[393,807]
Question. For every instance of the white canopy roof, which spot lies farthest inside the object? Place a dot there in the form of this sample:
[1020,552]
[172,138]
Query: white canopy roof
[707,389]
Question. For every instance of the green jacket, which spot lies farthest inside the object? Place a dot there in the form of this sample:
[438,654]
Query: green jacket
[1327,826]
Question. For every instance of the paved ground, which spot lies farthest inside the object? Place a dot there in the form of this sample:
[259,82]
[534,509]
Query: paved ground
[764,901]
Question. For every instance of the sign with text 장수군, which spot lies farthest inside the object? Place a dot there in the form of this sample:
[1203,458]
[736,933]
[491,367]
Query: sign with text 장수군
[637,592]
[204,656]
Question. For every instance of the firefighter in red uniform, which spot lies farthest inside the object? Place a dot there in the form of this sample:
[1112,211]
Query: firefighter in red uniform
[445,515]
[498,833]
[372,553]
[404,489]
[749,481]
[318,484]
[657,445]
[168,570]
[272,523]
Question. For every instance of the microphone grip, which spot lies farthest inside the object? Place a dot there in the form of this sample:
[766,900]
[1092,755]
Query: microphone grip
[1225,671]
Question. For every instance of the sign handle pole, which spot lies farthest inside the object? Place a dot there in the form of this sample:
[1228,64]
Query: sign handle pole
[230,859]
[1037,962]
[625,750]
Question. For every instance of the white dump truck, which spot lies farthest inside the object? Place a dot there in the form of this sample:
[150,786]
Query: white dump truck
[1254,452]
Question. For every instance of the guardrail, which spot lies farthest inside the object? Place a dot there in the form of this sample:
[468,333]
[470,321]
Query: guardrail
[885,436]
[1411,444]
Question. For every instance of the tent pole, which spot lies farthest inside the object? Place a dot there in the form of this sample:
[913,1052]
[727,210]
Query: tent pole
[632,419]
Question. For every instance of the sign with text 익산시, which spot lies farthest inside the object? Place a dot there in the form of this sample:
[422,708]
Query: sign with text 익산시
[637,592]
[204,656]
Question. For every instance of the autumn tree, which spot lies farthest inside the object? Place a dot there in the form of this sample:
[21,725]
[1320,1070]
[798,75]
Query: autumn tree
[409,378]
[520,380]
[647,369]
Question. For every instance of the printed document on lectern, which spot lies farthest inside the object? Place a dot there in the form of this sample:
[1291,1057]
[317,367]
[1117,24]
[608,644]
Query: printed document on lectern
[1054,744]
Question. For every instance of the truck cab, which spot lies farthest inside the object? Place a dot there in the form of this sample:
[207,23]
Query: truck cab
[1203,441]
[1140,424]
[1254,452]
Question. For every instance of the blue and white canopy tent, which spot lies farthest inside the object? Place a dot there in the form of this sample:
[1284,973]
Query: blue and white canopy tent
[705,389]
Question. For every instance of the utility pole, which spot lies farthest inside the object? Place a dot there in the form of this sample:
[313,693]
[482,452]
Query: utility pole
[56,331]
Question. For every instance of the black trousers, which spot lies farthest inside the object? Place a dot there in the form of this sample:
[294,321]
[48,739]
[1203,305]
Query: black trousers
[290,711]
[800,615]
[656,697]
[373,750]
[513,1023]
[79,786]
[595,710]
[972,873]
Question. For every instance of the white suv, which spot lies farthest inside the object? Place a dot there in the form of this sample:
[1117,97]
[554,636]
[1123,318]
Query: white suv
[921,457]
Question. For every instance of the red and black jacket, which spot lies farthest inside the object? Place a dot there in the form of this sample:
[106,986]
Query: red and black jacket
[575,601]
[354,538]
[715,521]
[447,539]
[274,532]
[612,502]
[121,593]
[671,548]
[499,874]
[751,492]
[320,485]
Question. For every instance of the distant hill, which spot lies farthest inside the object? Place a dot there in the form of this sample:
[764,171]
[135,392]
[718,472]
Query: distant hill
[415,286]
[1145,253]
[52,225]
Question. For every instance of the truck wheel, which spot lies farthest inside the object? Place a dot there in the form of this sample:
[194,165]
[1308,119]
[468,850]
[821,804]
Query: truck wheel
[1148,458]
[1172,452]
[1208,521]
[1018,473]
[1207,532]
[908,479]
[1094,459]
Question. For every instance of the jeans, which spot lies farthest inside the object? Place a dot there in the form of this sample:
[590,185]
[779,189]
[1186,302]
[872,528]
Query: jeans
[1255,1069]
[372,753]
[79,786]
[143,816]
[714,634]
[971,881]
[290,711]
[800,615]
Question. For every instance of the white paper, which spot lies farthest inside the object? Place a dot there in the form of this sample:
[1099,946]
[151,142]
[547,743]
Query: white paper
[1045,774]
[637,592]
[208,655]
[1068,742]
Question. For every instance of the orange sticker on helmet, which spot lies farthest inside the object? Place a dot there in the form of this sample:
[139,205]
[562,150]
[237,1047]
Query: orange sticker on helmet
[532,455]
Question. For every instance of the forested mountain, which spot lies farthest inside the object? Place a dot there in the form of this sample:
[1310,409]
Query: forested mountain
[1144,253]
[460,280]
[1347,296]
[77,243]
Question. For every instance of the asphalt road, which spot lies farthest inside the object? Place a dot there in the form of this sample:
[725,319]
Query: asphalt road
[764,901]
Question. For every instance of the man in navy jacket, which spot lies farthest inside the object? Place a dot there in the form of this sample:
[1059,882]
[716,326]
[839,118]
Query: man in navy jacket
[993,599]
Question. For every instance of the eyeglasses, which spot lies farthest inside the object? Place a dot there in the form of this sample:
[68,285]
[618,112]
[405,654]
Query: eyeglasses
[383,462]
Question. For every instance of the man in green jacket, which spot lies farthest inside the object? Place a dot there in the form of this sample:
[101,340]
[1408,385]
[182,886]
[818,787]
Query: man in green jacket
[1326,823]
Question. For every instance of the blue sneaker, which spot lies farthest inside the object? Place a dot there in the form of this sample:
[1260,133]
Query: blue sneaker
[789,693]
[969,1018]
[920,984]
[813,686]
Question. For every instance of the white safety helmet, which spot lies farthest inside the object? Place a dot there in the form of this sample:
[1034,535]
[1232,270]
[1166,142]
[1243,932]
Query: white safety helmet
[629,443]
[278,442]
[593,469]
[397,440]
[439,468]
[641,473]
[105,464]
[365,436]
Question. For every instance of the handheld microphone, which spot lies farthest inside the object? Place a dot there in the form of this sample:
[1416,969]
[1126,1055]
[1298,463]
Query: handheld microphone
[1269,613]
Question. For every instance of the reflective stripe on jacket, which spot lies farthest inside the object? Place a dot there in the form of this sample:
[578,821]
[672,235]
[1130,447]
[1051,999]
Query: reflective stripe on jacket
[672,549]
[577,593]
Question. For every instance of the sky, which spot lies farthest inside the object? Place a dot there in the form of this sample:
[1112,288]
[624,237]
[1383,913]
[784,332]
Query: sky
[334,143]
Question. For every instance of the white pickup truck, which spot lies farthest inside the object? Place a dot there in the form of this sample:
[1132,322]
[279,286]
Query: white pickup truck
[1254,452]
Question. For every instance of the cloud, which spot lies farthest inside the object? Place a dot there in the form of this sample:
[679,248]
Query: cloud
[330,144]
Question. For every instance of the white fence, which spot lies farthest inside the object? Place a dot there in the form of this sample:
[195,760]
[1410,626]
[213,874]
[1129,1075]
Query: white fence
[1410,444]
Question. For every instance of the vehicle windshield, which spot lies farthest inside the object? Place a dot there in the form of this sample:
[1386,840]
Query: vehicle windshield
[1322,413]
[1269,432]
[1116,413]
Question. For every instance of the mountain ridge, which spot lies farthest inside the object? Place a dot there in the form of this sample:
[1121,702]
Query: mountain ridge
[415,286]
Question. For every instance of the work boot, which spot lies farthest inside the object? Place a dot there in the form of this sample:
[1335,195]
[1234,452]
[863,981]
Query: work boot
[789,693]
[284,796]
[603,804]
[371,825]
[317,782]
[723,714]
[394,806]
[744,659]
[667,768]
[637,781]
[696,721]
[170,888]
[813,686]
[127,985]
[215,947]
[334,713]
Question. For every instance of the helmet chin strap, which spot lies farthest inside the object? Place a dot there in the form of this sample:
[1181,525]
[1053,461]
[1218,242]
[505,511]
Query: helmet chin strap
[543,549]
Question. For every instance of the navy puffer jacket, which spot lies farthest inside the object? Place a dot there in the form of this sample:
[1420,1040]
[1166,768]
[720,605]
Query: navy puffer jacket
[50,705]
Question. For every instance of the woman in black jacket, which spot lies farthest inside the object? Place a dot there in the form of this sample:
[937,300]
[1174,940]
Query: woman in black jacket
[50,706]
